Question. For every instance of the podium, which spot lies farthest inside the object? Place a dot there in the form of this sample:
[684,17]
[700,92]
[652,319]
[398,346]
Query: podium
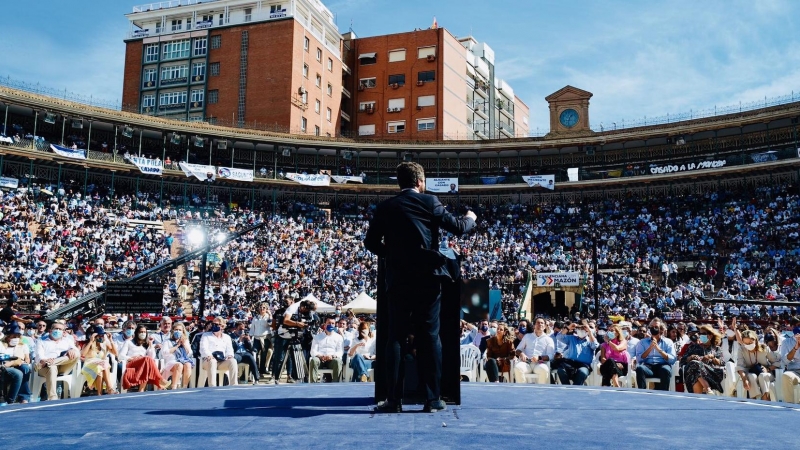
[449,334]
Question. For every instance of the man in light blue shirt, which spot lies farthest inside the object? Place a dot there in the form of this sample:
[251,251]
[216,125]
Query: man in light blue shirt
[576,363]
[790,354]
[655,356]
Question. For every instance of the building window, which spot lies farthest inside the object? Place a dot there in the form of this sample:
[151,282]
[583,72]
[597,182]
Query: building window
[177,24]
[366,106]
[303,124]
[188,24]
[330,90]
[176,49]
[213,96]
[319,54]
[399,80]
[396,127]
[158,27]
[200,46]
[426,124]
[221,19]
[213,69]
[366,59]
[397,55]
[151,53]
[198,71]
[248,14]
[304,97]
[195,118]
[317,105]
[306,43]
[316,130]
[149,78]
[366,83]
[426,100]
[198,95]
[366,130]
[318,81]
[148,101]
[426,76]
[396,104]
[305,70]
[328,114]
[172,98]
[174,74]
[330,65]
[277,11]
[216,42]
[424,52]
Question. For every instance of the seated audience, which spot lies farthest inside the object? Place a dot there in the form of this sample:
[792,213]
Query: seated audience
[534,353]
[755,366]
[96,366]
[326,352]
[575,364]
[702,362]
[177,355]
[614,357]
[55,356]
[141,369]
[17,374]
[362,352]
[216,353]
[655,356]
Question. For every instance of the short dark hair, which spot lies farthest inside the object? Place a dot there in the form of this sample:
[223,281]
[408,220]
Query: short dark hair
[409,174]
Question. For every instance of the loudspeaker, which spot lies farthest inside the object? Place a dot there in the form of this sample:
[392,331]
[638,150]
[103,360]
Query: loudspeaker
[77,123]
[198,141]
[127,131]
[175,139]
[49,118]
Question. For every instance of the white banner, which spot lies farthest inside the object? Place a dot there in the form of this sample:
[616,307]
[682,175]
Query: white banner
[203,24]
[550,279]
[8,182]
[68,152]
[545,181]
[147,165]
[199,171]
[442,185]
[309,180]
[232,173]
[672,168]
[347,179]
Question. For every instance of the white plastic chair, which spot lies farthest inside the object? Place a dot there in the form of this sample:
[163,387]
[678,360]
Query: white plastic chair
[654,380]
[470,355]
[68,379]
[203,375]
[321,371]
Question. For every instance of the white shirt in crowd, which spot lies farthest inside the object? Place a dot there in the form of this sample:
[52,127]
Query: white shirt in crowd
[209,344]
[367,349]
[130,350]
[327,345]
[47,349]
[260,326]
[533,346]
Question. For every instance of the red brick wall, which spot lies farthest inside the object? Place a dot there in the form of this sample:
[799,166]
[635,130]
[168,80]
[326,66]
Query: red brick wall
[381,94]
[132,80]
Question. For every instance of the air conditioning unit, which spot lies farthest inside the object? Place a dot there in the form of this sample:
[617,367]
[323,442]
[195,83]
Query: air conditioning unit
[420,83]
[431,57]
[680,141]
[127,131]
[301,90]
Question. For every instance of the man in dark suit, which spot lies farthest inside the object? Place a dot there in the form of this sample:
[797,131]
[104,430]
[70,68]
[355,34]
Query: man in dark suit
[405,231]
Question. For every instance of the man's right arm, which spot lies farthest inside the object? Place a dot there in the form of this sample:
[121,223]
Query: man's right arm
[451,223]
[373,241]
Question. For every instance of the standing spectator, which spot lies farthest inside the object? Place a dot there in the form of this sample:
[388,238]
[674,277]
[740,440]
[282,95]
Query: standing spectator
[655,356]
[8,314]
[261,331]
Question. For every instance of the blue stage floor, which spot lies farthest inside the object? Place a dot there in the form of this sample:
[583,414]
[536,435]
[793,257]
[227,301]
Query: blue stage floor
[340,416]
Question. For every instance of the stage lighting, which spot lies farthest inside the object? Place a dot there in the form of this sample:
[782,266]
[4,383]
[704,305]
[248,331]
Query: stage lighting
[49,118]
[196,237]
[127,131]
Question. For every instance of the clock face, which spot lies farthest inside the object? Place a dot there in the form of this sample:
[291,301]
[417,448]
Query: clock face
[568,118]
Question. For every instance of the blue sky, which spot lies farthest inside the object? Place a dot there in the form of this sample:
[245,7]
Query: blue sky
[639,58]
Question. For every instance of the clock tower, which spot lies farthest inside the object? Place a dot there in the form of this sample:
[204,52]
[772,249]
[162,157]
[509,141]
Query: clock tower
[569,112]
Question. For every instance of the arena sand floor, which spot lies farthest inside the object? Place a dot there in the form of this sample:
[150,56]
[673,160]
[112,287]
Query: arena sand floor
[340,416]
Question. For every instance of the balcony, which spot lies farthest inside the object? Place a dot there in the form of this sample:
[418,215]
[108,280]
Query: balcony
[507,130]
[174,81]
[168,4]
[196,104]
[345,116]
[345,92]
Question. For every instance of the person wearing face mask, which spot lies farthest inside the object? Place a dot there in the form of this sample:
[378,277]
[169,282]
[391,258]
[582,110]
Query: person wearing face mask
[216,353]
[483,332]
[139,355]
[243,350]
[326,352]
[702,362]
[655,356]
[755,366]
[575,365]
[96,367]
[362,353]
[731,347]
[499,353]
[17,375]
[625,326]
[177,353]
[55,356]
[261,331]
[614,357]
[790,355]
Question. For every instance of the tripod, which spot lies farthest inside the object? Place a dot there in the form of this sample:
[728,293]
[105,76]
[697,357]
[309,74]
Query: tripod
[299,360]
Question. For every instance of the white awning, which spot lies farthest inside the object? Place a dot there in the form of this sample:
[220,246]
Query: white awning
[366,55]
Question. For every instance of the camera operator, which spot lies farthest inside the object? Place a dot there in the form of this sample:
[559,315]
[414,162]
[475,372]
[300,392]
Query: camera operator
[296,319]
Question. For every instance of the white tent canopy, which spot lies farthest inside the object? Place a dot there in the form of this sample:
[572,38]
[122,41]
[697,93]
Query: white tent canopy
[363,304]
[322,307]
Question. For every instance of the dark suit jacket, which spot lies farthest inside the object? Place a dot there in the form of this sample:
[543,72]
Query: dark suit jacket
[405,227]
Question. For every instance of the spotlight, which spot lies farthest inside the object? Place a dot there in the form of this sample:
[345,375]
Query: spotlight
[127,131]
[220,236]
[196,237]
